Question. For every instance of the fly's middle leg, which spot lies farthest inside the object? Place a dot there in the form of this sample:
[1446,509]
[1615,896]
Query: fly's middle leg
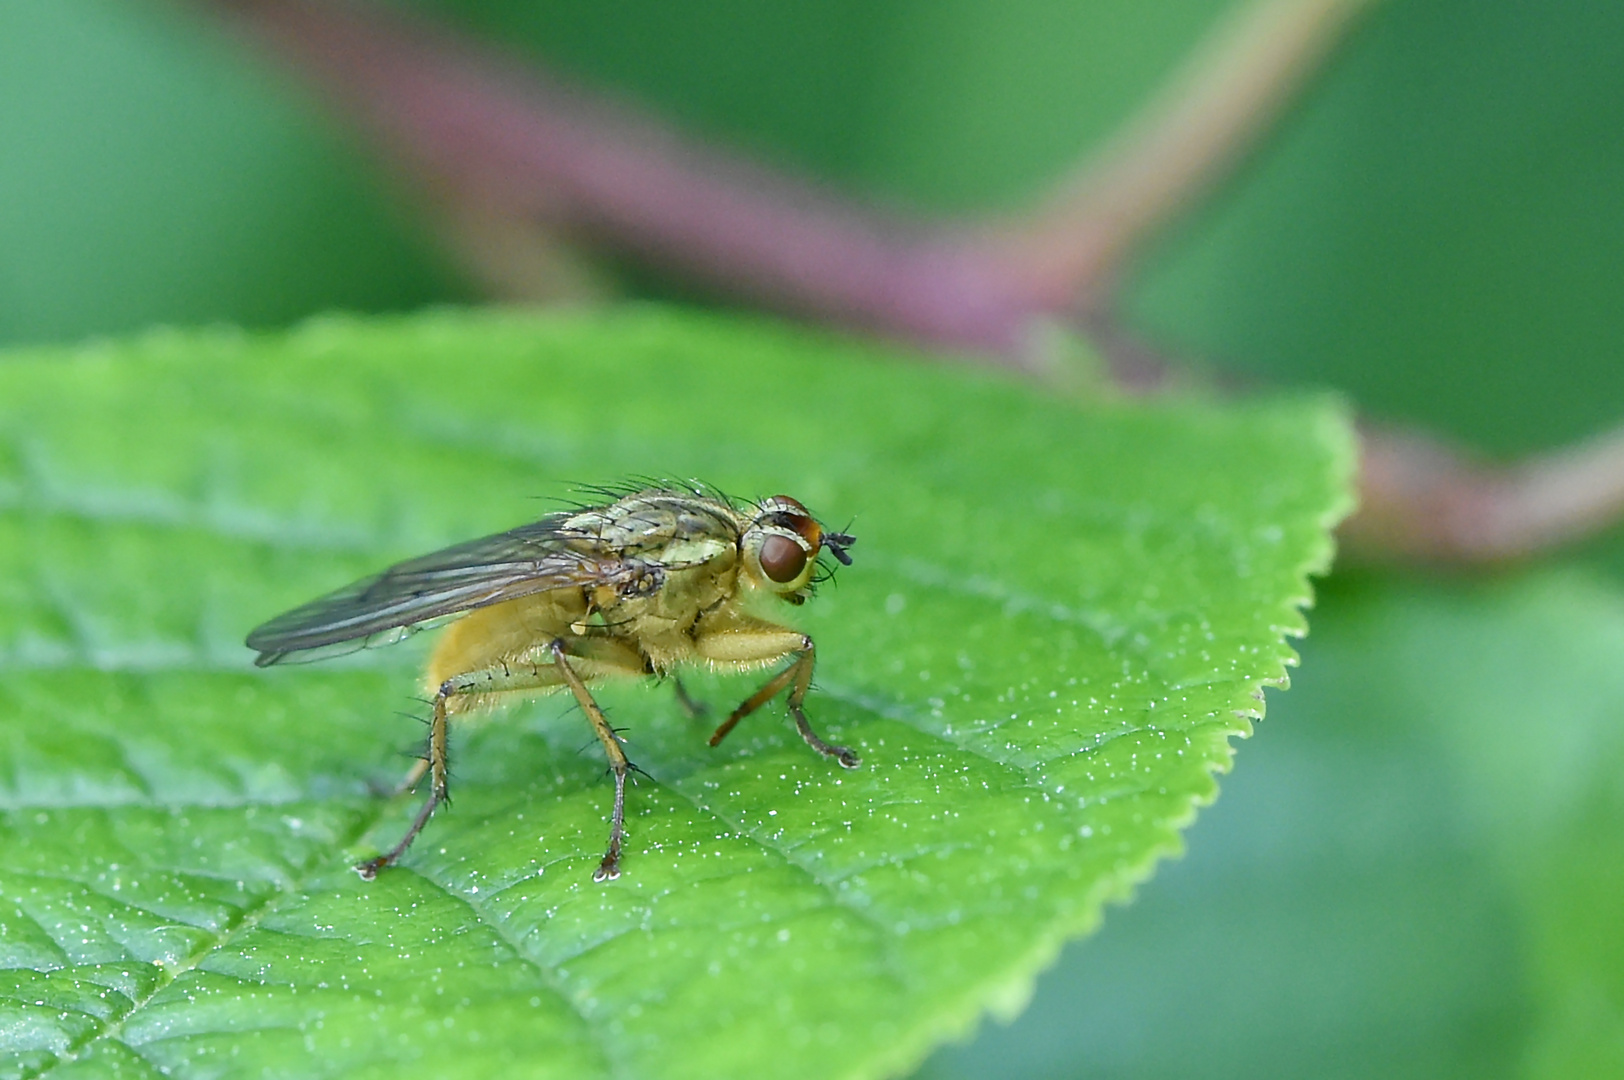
[609,868]
[539,669]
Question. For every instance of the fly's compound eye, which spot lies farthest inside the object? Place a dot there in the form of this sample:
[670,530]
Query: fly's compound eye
[782,559]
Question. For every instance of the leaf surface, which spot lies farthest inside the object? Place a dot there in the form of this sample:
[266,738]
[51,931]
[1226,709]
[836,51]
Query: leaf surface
[1414,874]
[1058,617]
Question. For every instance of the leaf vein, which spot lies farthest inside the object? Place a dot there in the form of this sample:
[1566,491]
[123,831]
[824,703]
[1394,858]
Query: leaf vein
[614,1067]
[250,917]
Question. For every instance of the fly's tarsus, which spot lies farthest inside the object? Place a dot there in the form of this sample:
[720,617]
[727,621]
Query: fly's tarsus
[696,709]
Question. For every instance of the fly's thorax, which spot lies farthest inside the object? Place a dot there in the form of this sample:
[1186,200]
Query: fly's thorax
[668,527]
[692,552]
[694,587]
[687,589]
[660,625]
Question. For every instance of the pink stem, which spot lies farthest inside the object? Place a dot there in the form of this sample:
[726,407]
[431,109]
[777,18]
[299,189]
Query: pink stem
[1423,501]
[486,131]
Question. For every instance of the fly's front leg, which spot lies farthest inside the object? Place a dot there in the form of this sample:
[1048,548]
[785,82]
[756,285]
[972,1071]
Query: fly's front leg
[745,645]
[797,695]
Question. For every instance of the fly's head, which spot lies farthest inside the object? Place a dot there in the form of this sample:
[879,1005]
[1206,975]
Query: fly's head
[780,548]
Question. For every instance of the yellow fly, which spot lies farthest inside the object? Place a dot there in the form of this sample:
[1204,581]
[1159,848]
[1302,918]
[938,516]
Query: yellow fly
[639,586]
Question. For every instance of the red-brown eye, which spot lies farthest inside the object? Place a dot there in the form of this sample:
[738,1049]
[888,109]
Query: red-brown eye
[782,559]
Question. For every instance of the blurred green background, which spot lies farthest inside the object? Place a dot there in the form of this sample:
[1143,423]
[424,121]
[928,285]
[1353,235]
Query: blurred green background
[1416,868]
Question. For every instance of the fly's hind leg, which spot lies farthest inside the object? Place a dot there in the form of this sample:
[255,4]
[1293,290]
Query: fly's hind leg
[539,669]
[766,643]
[435,763]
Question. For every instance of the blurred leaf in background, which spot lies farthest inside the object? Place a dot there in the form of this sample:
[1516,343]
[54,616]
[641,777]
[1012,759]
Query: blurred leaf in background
[153,174]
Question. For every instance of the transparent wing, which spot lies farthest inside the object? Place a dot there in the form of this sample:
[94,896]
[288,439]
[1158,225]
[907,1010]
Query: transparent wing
[337,649]
[383,609]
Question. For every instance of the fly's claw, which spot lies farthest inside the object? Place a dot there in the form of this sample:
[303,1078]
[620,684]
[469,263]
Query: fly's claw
[369,869]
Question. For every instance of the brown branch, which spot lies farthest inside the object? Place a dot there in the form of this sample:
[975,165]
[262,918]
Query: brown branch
[1183,141]
[477,129]
[1423,501]
[519,156]
[497,141]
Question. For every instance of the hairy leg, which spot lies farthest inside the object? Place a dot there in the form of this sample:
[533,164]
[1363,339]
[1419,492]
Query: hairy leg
[767,643]
[609,868]
[439,789]
[541,668]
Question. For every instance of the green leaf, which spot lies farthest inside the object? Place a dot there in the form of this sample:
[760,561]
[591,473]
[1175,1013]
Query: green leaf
[1521,686]
[1415,873]
[1058,617]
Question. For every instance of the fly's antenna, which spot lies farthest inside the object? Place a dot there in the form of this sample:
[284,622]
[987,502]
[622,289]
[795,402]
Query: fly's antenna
[837,543]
